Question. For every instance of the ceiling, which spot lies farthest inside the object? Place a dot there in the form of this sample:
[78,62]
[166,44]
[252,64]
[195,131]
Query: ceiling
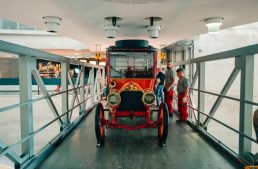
[83,20]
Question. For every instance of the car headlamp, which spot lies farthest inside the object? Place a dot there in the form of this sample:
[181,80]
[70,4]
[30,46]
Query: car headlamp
[148,98]
[113,98]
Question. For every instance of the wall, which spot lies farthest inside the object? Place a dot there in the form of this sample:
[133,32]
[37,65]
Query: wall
[9,68]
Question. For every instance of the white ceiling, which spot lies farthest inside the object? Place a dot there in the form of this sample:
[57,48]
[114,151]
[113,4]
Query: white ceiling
[84,19]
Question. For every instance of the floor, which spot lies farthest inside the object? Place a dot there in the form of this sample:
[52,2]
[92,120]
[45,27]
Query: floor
[135,150]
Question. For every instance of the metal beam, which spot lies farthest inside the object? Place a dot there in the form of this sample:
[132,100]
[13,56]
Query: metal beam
[224,91]
[49,100]
[11,155]
[246,93]
[26,51]
[201,86]
[26,64]
[194,79]
[82,90]
[91,81]
[243,51]
[75,93]
[64,87]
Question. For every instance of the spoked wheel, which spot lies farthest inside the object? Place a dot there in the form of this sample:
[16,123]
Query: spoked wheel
[99,126]
[162,124]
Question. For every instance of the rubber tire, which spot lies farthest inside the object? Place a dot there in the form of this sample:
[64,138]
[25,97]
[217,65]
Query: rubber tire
[100,137]
[162,135]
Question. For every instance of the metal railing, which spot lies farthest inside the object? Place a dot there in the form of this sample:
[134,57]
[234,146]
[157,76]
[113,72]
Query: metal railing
[244,64]
[87,95]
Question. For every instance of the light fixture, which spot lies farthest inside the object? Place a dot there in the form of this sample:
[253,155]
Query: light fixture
[213,24]
[153,30]
[111,29]
[52,23]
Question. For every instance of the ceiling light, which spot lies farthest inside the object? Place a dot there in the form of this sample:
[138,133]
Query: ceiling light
[111,29]
[213,24]
[153,30]
[52,23]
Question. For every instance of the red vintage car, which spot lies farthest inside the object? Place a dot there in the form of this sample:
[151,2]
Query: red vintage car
[131,71]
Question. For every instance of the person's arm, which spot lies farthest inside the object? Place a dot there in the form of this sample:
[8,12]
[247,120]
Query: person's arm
[172,84]
[186,93]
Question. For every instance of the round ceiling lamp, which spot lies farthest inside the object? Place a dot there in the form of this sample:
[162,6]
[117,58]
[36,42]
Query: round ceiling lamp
[213,24]
[52,23]
[111,29]
[153,30]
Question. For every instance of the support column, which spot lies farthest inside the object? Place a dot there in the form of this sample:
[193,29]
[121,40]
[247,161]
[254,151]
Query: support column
[26,64]
[246,64]
[82,89]
[92,88]
[201,95]
[64,87]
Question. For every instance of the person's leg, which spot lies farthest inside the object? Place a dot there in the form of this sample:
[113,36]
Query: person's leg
[182,110]
[168,101]
[180,102]
[162,94]
[157,95]
[172,99]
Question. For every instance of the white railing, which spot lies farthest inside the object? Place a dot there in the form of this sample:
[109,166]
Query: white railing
[81,95]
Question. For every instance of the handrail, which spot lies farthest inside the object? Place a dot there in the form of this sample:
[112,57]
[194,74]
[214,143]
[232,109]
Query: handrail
[247,50]
[228,97]
[227,126]
[83,93]
[225,96]
[38,99]
[27,51]
[5,150]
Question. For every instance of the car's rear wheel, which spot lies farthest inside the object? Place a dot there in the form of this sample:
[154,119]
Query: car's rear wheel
[162,124]
[99,125]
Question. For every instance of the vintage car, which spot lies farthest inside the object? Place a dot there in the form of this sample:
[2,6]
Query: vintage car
[131,71]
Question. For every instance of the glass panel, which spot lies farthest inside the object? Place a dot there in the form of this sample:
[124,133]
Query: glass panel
[131,65]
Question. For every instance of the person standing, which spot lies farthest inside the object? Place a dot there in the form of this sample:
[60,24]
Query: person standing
[183,93]
[168,88]
[160,85]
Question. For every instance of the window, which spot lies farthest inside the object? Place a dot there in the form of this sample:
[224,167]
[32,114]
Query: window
[131,64]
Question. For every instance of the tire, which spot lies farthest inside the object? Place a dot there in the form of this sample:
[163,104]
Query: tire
[99,126]
[162,124]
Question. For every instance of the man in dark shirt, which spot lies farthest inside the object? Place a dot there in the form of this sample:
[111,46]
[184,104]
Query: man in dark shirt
[160,85]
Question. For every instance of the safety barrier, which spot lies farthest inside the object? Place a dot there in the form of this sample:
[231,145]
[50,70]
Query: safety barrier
[83,92]
[199,119]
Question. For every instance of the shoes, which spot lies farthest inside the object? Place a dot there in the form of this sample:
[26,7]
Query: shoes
[181,122]
[178,121]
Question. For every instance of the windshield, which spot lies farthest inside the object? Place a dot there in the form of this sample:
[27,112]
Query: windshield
[131,64]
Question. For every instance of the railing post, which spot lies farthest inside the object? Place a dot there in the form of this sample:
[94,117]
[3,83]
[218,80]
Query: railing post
[201,95]
[246,64]
[82,89]
[26,65]
[92,89]
[64,87]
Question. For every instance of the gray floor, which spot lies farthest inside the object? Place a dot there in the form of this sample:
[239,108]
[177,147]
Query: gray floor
[135,150]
